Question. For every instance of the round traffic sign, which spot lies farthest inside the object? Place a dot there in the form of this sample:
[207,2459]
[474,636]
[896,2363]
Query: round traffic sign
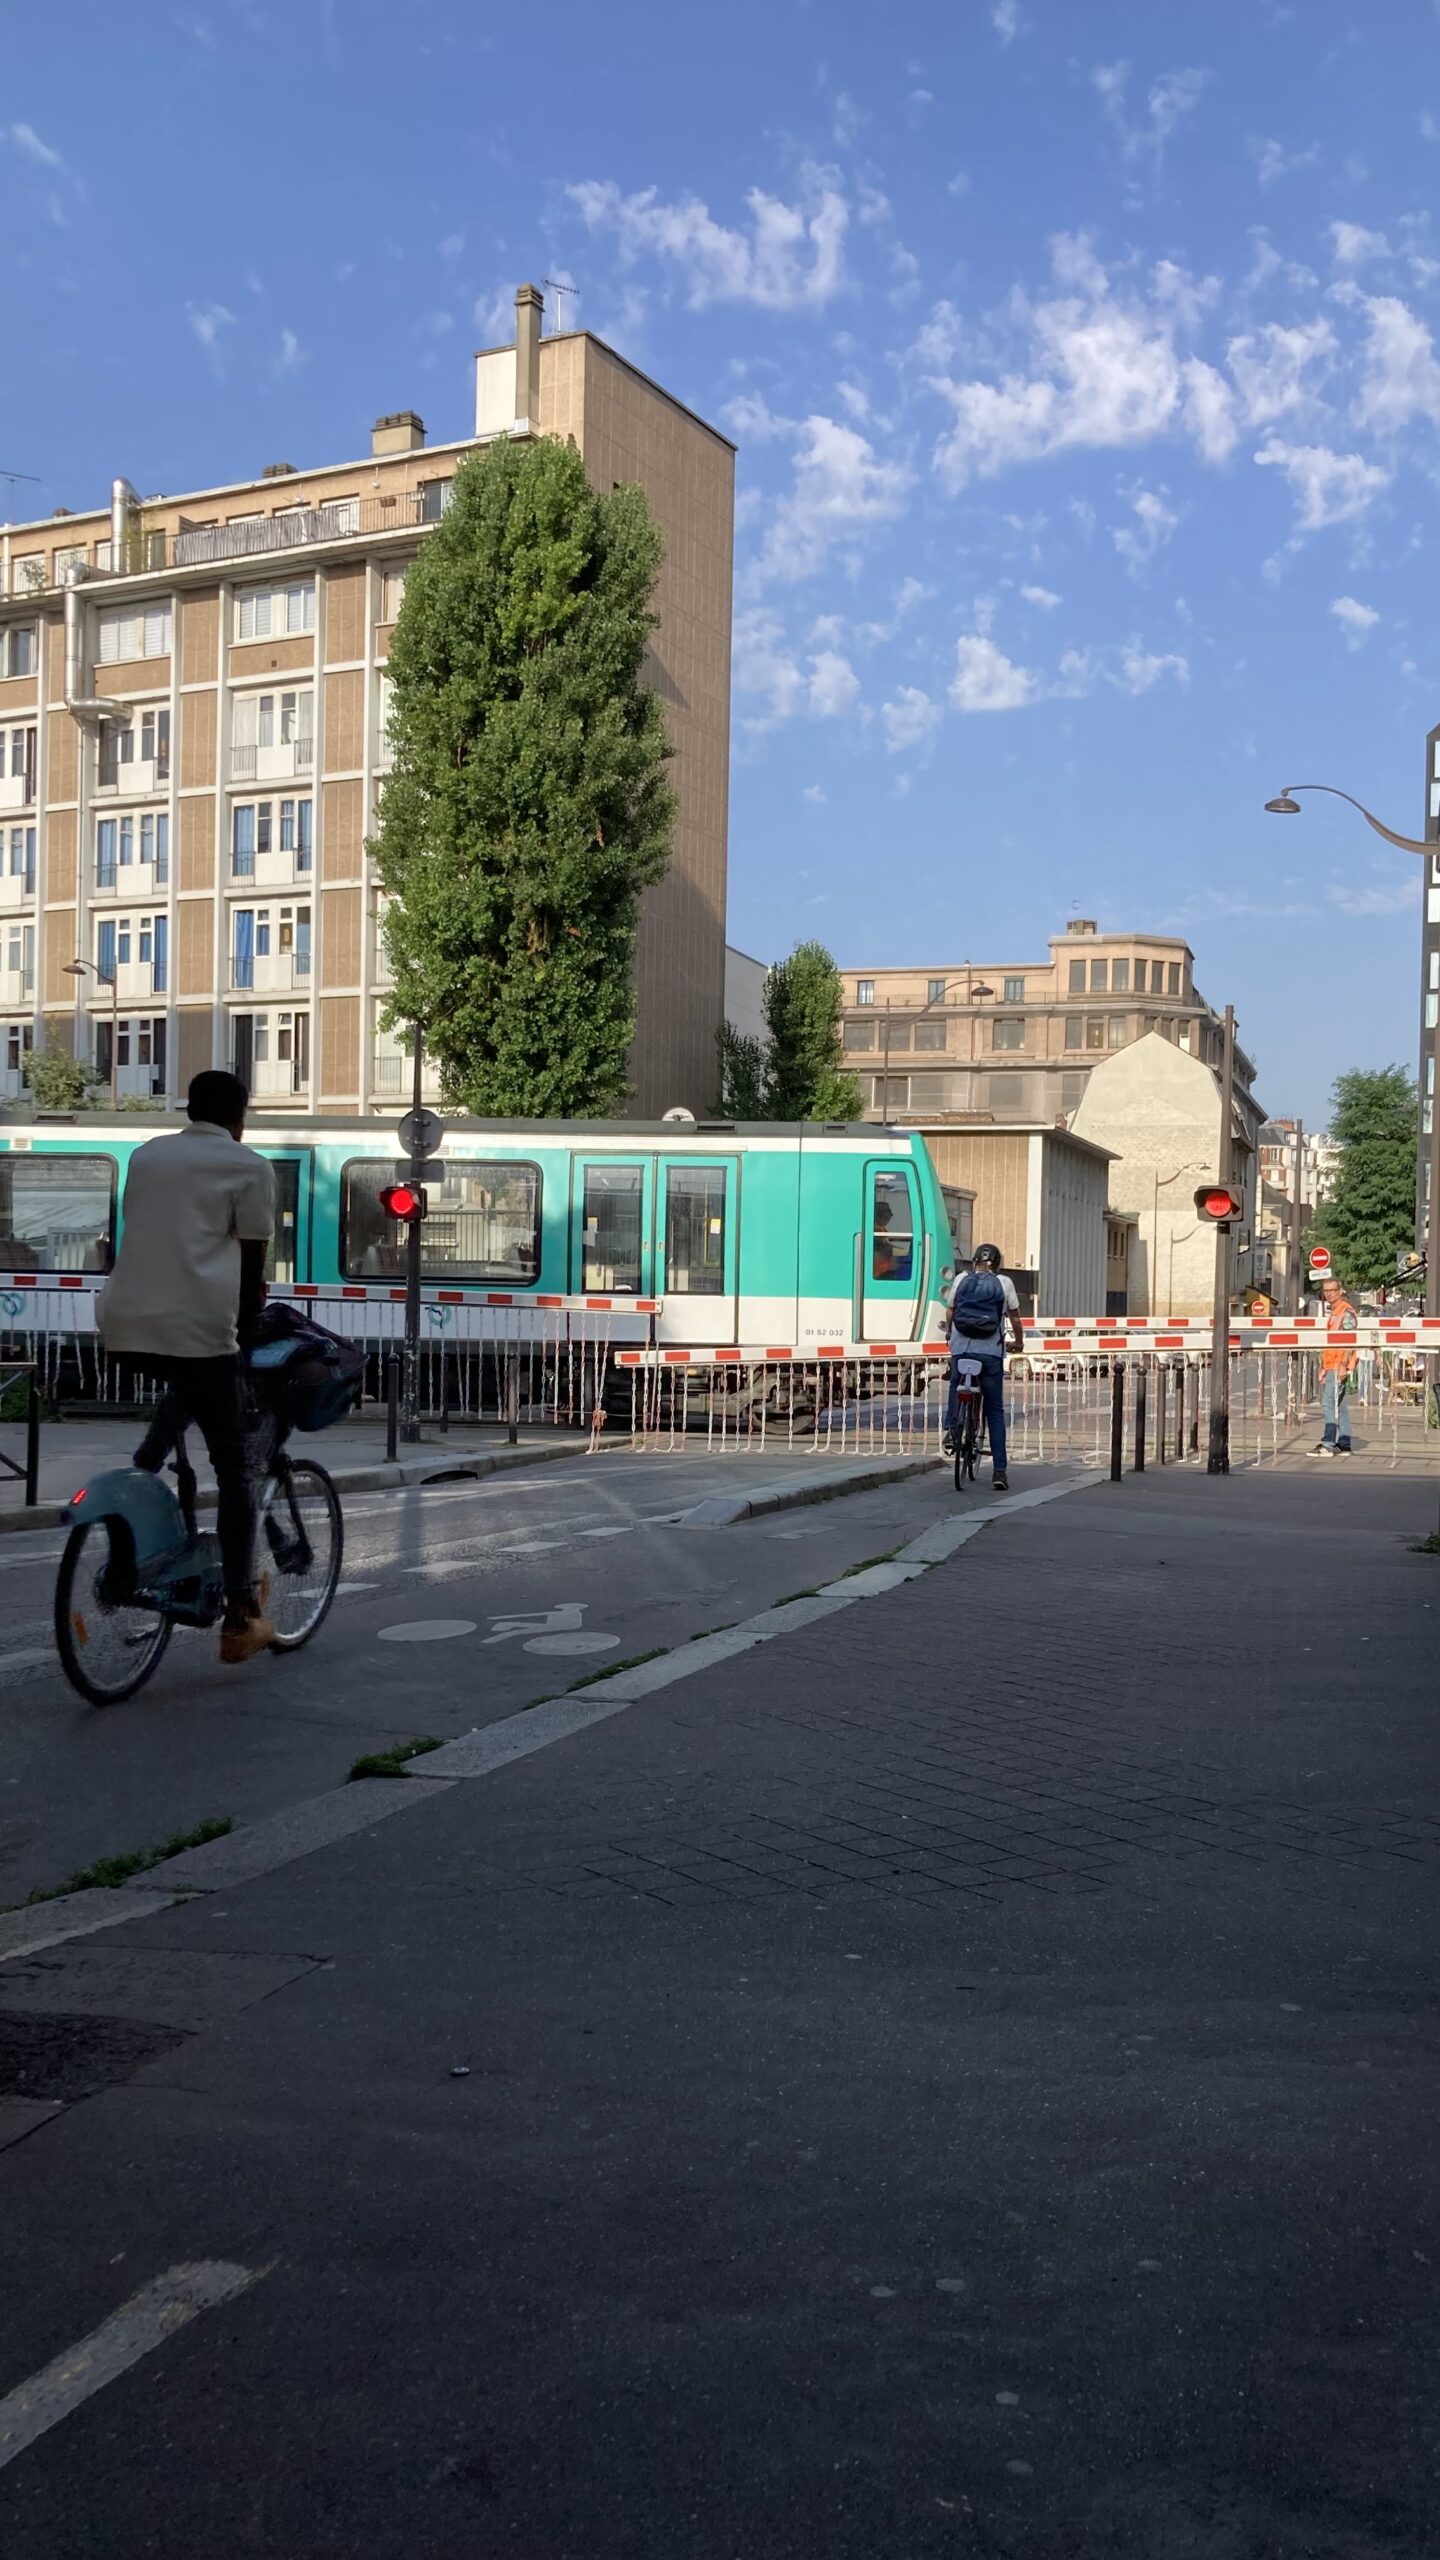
[420,1132]
[1319,1257]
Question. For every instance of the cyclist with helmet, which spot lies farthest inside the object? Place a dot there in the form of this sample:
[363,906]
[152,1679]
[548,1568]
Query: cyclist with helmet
[982,1304]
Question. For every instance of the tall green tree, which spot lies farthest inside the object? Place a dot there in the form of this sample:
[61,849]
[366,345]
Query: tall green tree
[1369,1217]
[742,1074]
[527,806]
[806,1075]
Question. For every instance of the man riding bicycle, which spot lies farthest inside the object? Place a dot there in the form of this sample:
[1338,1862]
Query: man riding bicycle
[982,1303]
[183,1299]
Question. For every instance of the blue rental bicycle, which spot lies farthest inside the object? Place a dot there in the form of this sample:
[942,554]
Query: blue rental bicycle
[136,1566]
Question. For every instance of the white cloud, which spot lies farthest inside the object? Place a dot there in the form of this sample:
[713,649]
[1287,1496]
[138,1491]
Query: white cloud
[986,680]
[841,488]
[751,419]
[452,244]
[908,719]
[834,687]
[1043,598]
[27,141]
[910,593]
[292,355]
[1100,370]
[1154,523]
[1274,161]
[1139,670]
[767,667]
[1429,126]
[814,794]
[1356,620]
[1270,366]
[1354,246]
[791,257]
[939,341]
[1330,488]
[493,314]
[208,322]
[1400,374]
[435,324]
[1006,20]
[1169,100]
[1395,898]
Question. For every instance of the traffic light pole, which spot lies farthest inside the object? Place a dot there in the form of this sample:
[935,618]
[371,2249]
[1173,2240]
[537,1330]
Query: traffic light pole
[410,1357]
[1298,1196]
[1218,1462]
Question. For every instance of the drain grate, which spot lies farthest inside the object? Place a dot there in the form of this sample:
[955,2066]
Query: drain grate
[47,2055]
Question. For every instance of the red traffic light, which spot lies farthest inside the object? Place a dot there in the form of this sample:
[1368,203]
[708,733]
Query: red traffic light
[1218,1204]
[403,1200]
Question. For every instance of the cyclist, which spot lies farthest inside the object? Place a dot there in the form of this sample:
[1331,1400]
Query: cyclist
[187,1287]
[982,1303]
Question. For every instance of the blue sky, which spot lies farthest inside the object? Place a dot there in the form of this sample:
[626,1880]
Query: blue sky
[1080,357]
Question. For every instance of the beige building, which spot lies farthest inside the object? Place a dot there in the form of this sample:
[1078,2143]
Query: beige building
[1157,1111]
[193,739]
[1041,1195]
[1017,1040]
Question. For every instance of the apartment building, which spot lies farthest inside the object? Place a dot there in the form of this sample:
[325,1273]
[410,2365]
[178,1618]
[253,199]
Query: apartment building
[193,741]
[1017,1040]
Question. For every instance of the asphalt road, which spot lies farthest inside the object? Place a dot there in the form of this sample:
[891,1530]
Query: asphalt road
[541,1576]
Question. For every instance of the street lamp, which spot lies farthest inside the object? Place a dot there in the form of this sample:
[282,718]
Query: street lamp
[90,969]
[1286,806]
[973,993]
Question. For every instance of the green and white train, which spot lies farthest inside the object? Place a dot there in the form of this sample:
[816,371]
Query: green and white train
[798,1236]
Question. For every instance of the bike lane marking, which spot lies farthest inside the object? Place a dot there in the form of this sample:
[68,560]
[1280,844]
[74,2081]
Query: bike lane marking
[169,2302]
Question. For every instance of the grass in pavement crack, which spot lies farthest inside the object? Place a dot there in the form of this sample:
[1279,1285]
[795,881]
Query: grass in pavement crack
[388,1764]
[630,1663]
[1427,1546]
[136,1862]
[888,1558]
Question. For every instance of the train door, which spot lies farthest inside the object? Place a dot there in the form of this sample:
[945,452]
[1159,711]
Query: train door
[892,1256]
[289,1256]
[697,1247]
[613,1227]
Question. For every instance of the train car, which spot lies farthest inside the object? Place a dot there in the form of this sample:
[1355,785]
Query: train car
[682,1234]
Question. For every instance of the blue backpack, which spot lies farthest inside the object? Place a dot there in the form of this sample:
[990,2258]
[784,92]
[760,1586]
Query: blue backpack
[978,1307]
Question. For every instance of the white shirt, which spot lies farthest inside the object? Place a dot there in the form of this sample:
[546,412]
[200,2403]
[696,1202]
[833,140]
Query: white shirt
[985,1346]
[191,1199]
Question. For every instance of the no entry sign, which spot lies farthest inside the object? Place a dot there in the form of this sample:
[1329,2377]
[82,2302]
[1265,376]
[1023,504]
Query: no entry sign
[1319,1257]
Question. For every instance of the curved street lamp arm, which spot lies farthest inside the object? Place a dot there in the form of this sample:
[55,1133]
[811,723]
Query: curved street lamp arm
[1407,844]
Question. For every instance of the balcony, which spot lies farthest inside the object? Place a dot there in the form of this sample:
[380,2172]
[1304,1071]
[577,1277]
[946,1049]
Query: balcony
[270,973]
[17,890]
[135,882]
[17,790]
[298,528]
[392,1077]
[275,870]
[136,982]
[138,780]
[17,990]
[272,764]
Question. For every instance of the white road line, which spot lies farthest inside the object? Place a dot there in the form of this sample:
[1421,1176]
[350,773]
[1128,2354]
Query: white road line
[144,2322]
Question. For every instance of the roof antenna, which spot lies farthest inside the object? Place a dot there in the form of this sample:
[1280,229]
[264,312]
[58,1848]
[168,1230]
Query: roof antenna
[10,478]
[559,291]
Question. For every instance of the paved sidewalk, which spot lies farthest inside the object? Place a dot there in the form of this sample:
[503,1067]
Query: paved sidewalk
[952,2081]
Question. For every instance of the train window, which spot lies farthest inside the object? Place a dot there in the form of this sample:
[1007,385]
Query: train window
[280,1260]
[892,1229]
[484,1222]
[57,1213]
[613,1199]
[695,1229]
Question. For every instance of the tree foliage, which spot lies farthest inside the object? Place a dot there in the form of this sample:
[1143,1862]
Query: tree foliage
[527,806]
[1369,1217]
[742,1074]
[806,1077]
[59,1082]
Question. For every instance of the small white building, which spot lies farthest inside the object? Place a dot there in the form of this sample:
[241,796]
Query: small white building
[745,981]
[1158,1112]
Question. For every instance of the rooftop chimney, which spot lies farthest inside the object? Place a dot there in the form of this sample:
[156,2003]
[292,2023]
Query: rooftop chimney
[401,432]
[278,471]
[1082,924]
[529,314]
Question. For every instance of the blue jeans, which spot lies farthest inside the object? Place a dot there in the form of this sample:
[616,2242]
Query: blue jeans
[992,1398]
[1332,1406]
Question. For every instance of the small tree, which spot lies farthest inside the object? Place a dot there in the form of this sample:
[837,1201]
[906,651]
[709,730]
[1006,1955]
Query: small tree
[742,1074]
[59,1082]
[1369,1217]
[527,806]
[806,1075]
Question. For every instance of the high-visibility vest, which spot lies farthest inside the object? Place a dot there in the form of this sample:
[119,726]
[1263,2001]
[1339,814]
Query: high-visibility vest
[1339,1352]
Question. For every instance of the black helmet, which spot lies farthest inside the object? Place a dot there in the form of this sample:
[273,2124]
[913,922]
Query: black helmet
[988,1257]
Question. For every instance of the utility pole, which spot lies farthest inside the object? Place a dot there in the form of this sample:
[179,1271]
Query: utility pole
[885,1064]
[1297,1206]
[1218,1462]
[410,1361]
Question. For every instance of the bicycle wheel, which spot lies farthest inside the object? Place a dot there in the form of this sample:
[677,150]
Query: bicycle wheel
[302,1545]
[108,1647]
[970,1440]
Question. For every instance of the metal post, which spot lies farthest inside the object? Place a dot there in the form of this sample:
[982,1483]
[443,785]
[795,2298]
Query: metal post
[885,1064]
[1162,1418]
[1141,1386]
[512,1395]
[392,1405]
[1117,1419]
[1298,1202]
[115,1042]
[1218,1461]
[410,1400]
[32,1441]
[1432,1214]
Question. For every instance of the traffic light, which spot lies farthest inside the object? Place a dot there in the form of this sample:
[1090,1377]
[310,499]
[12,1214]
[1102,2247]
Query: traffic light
[405,1201]
[1215,1201]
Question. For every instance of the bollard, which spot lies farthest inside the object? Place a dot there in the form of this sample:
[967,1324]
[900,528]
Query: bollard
[32,1441]
[1141,1386]
[392,1407]
[1117,1419]
[1162,1418]
[512,1397]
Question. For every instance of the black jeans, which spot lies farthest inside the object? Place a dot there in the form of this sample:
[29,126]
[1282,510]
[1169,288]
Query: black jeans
[214,1396]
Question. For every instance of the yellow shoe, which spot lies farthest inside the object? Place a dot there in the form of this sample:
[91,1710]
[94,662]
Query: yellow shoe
[237,1644]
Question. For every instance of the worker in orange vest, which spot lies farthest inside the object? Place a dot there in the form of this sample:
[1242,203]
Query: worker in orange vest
[1337,1367]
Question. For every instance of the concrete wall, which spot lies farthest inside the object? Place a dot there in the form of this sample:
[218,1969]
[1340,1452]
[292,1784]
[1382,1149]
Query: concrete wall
[1160,1113]
[1068,1247]
[745,993]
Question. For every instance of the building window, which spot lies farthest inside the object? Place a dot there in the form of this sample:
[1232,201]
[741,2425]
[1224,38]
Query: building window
[155,742]
[435,496]
[22,857]
[20,764]
[1074,1031]
[1071,1089]
[932,1033]
[1095,1031]
[1077,977]
[1119,977]
[1140,977]
[1007,1093]
[864,990]
[1173,981]
[1007,1032]
[859,1035]
[934,990]
[17,654]
[930,1092]
[270,613]
[899,1035]
[155,845]
[892,1229]
[484,1223]
[19,1041]
[695,1230]
[392,592]
[1099,977]
[1118,1031]
[124,632]
[57,1213]
[1014,990]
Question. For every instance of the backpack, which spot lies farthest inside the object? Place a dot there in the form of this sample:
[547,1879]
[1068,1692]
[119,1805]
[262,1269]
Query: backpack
[307,1378]
[978,1306]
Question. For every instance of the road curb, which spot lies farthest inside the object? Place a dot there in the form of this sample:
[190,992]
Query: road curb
[721,1508]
